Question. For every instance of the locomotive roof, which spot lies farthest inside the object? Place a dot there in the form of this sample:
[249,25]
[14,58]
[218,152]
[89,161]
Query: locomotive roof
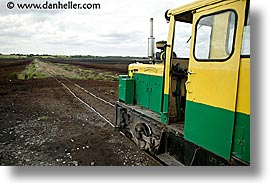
[185,11]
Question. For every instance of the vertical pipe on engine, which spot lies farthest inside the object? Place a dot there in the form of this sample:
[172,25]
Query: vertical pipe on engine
[151,42]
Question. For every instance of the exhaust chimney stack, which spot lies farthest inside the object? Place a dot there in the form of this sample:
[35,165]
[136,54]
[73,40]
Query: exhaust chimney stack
[151,42]
[151,27]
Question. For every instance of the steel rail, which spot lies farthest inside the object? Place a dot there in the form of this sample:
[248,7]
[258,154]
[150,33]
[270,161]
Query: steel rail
[97,112]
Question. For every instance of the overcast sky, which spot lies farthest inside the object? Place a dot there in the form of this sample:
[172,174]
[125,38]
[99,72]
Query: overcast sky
[118,28]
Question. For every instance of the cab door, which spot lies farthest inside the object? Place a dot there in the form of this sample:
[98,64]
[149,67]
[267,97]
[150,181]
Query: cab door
[213,76]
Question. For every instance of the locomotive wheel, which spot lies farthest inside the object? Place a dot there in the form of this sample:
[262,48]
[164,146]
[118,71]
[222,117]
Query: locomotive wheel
[138,132]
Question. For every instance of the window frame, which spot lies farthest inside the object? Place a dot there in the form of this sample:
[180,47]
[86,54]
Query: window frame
[247,18]
[234,37]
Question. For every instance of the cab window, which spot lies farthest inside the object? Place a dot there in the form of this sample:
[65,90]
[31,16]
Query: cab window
[214,40]
[182,38]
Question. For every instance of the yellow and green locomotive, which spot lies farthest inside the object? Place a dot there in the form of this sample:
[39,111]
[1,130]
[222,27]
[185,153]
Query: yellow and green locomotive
[195,110]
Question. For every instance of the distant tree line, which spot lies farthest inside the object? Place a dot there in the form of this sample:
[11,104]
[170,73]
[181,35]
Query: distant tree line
[90,57]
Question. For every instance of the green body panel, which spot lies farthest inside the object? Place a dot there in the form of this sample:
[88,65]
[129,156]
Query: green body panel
[241,138]
[155,96]
[148,91]
[126,89]
[142,88]
[209,127]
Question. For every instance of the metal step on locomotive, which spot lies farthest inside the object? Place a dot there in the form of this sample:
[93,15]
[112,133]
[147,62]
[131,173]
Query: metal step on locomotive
[193,110]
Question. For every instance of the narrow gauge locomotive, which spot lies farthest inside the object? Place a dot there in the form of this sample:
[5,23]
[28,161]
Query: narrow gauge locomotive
[195,110]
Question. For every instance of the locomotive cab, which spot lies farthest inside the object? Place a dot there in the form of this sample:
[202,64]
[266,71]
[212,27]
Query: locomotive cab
[193,107]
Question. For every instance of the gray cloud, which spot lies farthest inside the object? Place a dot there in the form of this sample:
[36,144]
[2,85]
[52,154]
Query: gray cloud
[118,28]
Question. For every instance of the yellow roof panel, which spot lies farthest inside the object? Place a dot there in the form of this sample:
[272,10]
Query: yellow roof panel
[193,6]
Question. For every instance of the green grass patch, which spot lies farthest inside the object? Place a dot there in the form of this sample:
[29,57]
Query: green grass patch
[36,70]
[31,72]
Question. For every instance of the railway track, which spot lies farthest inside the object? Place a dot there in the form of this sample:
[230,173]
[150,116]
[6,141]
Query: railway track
[93,103]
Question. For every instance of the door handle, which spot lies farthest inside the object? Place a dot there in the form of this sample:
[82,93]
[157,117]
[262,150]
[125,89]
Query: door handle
[190,72]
